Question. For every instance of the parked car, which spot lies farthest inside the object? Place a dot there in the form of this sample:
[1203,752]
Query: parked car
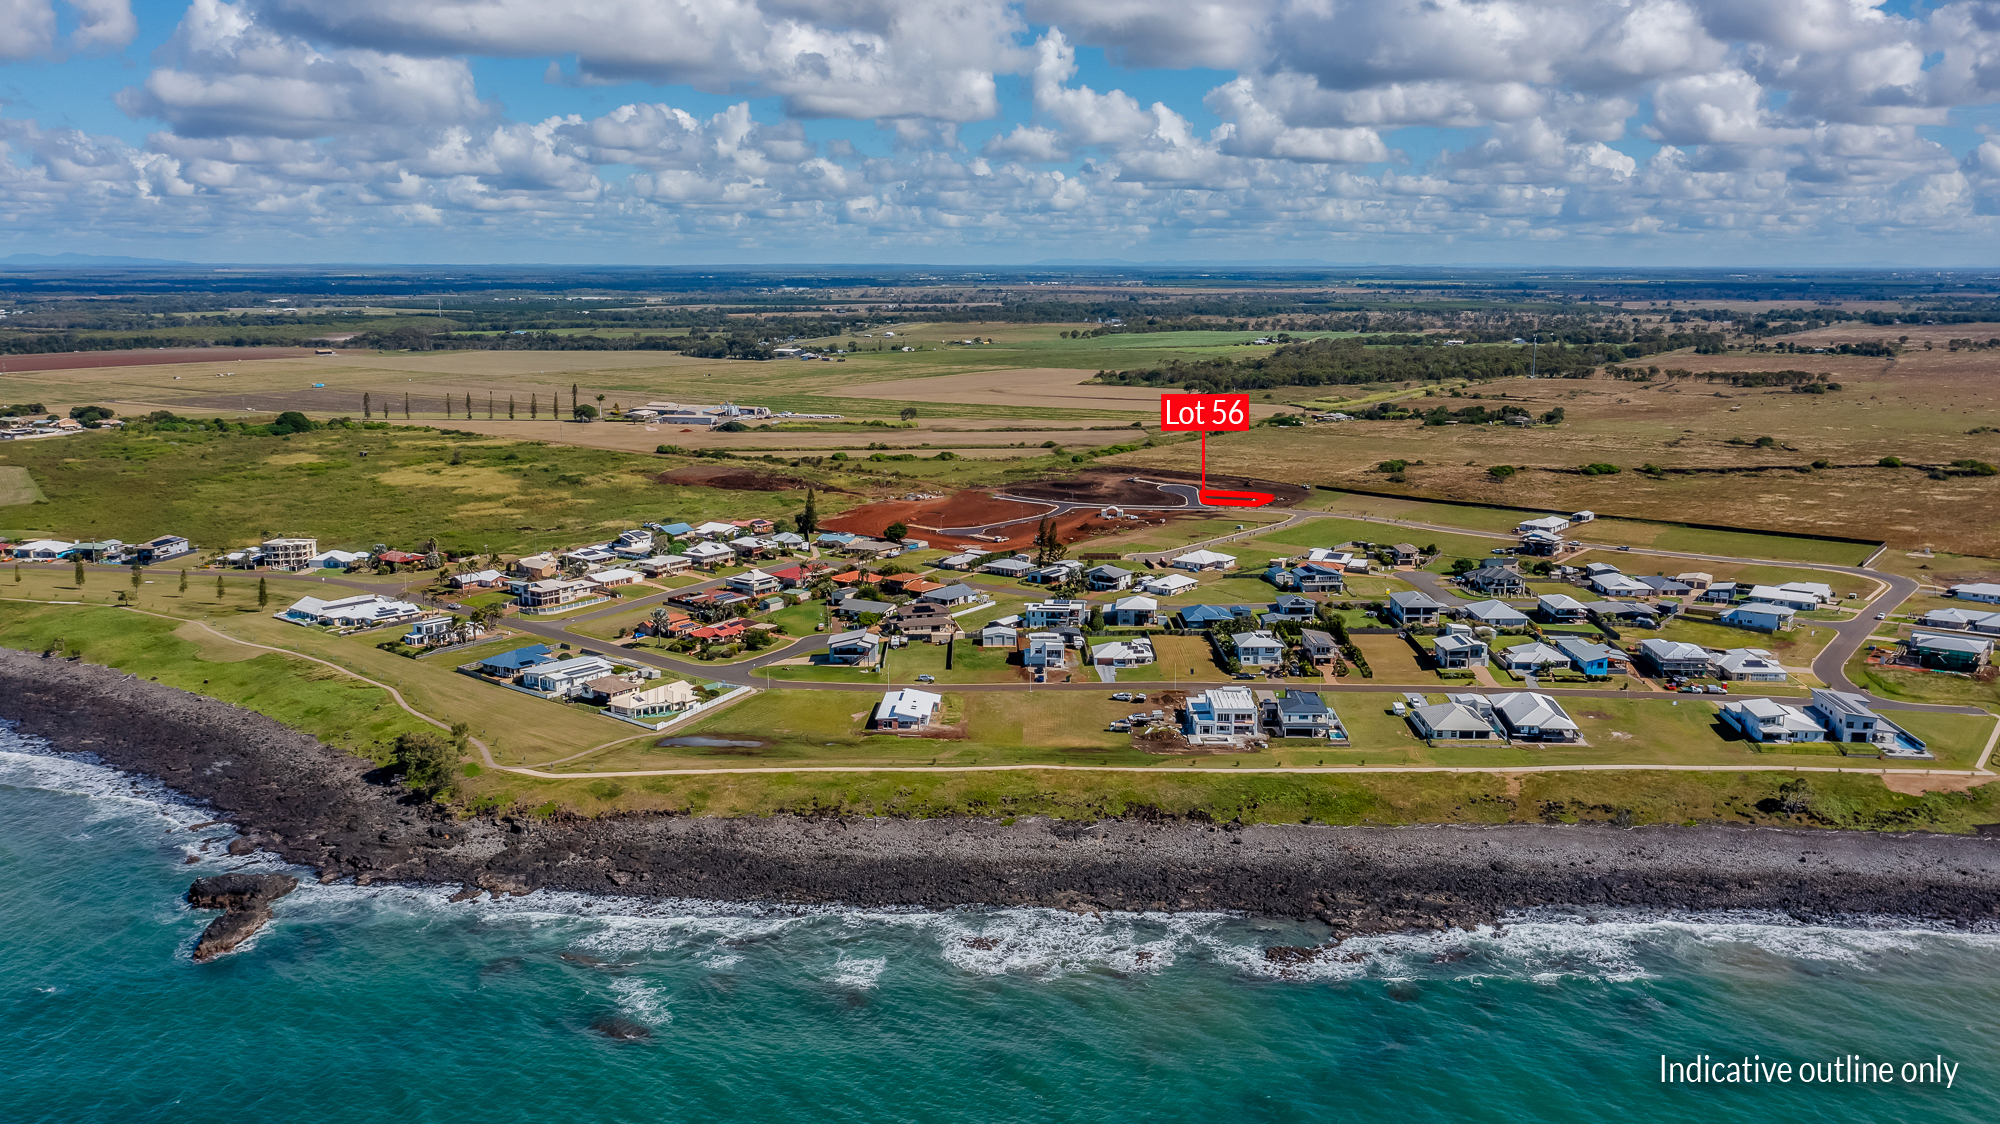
[1717,689]
[1122,696]
[1244,675]
[1414,699]
[1881,616]
[926,678]
[1624,548]
[1692,689]
[1136,697]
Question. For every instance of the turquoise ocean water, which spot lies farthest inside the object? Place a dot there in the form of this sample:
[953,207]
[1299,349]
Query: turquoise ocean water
[390,1004]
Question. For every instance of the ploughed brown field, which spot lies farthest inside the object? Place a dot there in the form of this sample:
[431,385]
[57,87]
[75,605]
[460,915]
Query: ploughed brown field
[149,357]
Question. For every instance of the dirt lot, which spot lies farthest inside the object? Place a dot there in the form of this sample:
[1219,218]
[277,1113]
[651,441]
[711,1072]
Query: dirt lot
[978,506]
[1110,486]
[733,478]
[151,357]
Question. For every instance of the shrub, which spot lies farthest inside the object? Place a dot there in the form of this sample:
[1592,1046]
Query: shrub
[1767,442]
[1600,470]
[1501,471]
[425,759]
[1890,462]
[1392,466]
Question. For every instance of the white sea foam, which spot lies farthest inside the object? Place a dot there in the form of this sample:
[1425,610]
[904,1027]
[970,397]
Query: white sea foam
[858,973]
[645,1003]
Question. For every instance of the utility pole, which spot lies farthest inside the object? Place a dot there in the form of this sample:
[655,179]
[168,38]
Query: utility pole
[1534,353]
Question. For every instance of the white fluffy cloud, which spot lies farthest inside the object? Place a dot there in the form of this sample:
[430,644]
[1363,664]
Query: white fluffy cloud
[1333,121]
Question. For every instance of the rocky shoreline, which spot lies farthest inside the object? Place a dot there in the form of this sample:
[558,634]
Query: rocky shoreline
[319,807]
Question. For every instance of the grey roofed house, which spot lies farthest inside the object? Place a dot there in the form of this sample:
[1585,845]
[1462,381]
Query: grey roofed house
[1676,657]
[1535,716]
[855,606]
[1495,576]
[1457,650]
[1301,714]
[1559,606]
[1496,613]
[1751,665]
[1634,611]
[956,593]
[1108,577]
[1528,657]
[1663,586]
[1008,567]
[1319,646]
[1409,605]
[1450,721]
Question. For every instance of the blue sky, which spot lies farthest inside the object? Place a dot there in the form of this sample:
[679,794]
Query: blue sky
[1674,132]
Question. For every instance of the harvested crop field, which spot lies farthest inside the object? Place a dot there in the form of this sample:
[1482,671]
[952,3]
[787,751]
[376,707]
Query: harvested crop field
[970,510]
[151,357]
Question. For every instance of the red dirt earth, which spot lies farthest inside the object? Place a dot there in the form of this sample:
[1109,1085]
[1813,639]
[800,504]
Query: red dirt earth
[966,509]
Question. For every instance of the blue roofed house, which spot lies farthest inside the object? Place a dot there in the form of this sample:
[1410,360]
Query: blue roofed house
[1591,659]
[1201,616]
[1759,616]
[1317,577]
[507,665]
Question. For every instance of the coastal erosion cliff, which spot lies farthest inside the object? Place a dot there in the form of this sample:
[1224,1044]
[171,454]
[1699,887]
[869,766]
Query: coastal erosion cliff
[319,807]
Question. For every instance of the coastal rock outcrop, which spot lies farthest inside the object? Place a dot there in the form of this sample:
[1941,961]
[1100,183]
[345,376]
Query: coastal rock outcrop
[246,901]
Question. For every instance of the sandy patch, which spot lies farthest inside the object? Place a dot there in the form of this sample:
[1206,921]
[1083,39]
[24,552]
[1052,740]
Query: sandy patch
[1916,784]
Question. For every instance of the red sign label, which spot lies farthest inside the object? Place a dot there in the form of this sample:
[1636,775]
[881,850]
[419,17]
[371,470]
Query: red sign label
[1204,412]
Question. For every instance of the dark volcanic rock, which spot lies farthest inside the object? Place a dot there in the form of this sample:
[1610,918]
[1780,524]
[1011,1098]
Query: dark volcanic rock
[239,891]
[621,1030]
[229,930]
[314,805]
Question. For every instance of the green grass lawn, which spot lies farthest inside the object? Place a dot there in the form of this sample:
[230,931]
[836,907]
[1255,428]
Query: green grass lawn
[1922,686]
[970,664]
[1797,647]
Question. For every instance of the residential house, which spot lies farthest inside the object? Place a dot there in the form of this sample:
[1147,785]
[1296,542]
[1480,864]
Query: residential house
[1221,714]
[585,556]
[1759,617]
[1797,600]
[1591,659]
[1203,561]
[1977,591]
[1131,611]
[1406,554]
[901,584]
[859,648]
[834,540]
[1768,720]
[1495,578]
[155,551]
[1258,649]
[1583,516]
[1557,608]
[1056,573]
[1495,614]
[1547,524]
[1123,653]
[921,619]
[1633,613]
[1299,714]
[1197,617]
[756,526]
[1047,650]
[109,550]
[1820,591]
[553,592]
[1317,647]
[479,579]
[426,631]
[1541,543]
[43,550]
[1315,577]
[676,530]
[1965,620]
[566,678]
[1695,579]
[1848,718]
[1616,584]
[872,548]
[1106,579]
[848,608]
[1168,585]
[1412,606]
[289,554]
[1346,560]
[714,530]
[709,555]
[1532,658]
[959,561]
[1293,607]
[1593,569]
[789,577]
[1942,652]
[667,697]
[788,541]
[1008,567]
[509,664]
[998,635]
[664,565]
[954,594]
[535,567]
[907,709]
[1749,665]
[1676,658]
[1048,614]
[361,610]
[1456,650]
[755,582]
[608,579]
[1720,593]
[1450,721]
[750,546]
[1663,586]
[1531,716]
[633,544]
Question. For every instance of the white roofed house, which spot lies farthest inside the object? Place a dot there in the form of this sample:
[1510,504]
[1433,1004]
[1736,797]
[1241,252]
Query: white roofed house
[1614,584]
[636,543]
[1258,649]
[907,709]
[1136,652]
[1977,591]
[1130,611]
[1530,658]
[709,554]
[606,579]
[1043,649]
[548,594]
[1799,600]
[566,678]
[859,648]
[1547,524]
[1953,652]
[712,530]
[1749,665]
[1849,719]
[1168,585]
[1057,613]
[1204,560]
[361,610]
[1107,578]
[1759,617]
[289,554]
[336,559]
[1301,714]
[659,700]
[1220,714]
[755,582]
[1768,720]
[481,579]
[1675,657]
[1531,716]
